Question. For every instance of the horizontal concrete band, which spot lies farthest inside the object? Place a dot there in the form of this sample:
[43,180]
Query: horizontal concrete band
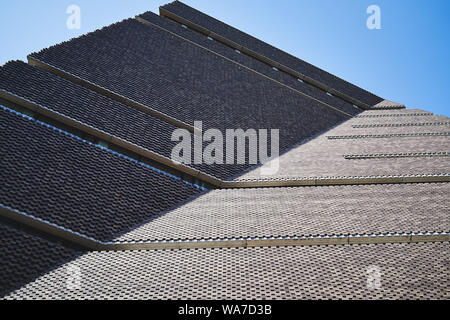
[148,23]
[418,114]
[93,244]
[393,107]
[397,125]
[163,12]
[280,242]
[333,181]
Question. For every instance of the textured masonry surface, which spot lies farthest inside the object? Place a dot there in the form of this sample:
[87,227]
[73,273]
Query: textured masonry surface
[52,175]
[407,271]
[79,186]
[324,157]
[304,211]
[24,257]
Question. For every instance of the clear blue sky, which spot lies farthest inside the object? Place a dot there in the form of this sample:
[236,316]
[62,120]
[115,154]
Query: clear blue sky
[407,61]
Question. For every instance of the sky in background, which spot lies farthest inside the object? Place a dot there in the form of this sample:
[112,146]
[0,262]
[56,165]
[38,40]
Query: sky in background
[407,61]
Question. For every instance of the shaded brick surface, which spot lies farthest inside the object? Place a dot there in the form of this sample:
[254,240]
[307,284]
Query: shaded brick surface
[304,211]
[271,52]
[188,83]
[24,257]
[93,109]
[76,185]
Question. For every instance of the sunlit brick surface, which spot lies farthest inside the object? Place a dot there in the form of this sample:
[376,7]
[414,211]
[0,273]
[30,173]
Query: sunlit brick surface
[304,211]
[407,271]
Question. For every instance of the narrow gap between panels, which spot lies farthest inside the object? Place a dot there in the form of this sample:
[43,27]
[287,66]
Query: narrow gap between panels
[391,135]
[202,184]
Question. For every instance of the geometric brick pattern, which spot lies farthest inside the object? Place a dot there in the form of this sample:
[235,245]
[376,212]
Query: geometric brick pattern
[62,179]
[245,60]
[398,155]
[24,257]
[407,271]
[303,211]
[156,67]
[326,155]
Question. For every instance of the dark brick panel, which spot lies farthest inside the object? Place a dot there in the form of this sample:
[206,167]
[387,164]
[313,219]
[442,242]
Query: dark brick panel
[74,101]
[77,185]
[250,62]
[271,52]
[24,257]
[86,106]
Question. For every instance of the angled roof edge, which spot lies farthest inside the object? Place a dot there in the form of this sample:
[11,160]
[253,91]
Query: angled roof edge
[165,12]
[35,62]
[387,104]
[146,22]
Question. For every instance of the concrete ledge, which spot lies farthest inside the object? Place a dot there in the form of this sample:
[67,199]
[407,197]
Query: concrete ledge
[334,181]
[108,137]
[431,238]
[396,155]
[47,227]
[92,244]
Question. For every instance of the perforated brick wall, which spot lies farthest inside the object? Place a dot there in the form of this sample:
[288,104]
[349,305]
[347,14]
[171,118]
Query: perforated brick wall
[24,257]
[73,184]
